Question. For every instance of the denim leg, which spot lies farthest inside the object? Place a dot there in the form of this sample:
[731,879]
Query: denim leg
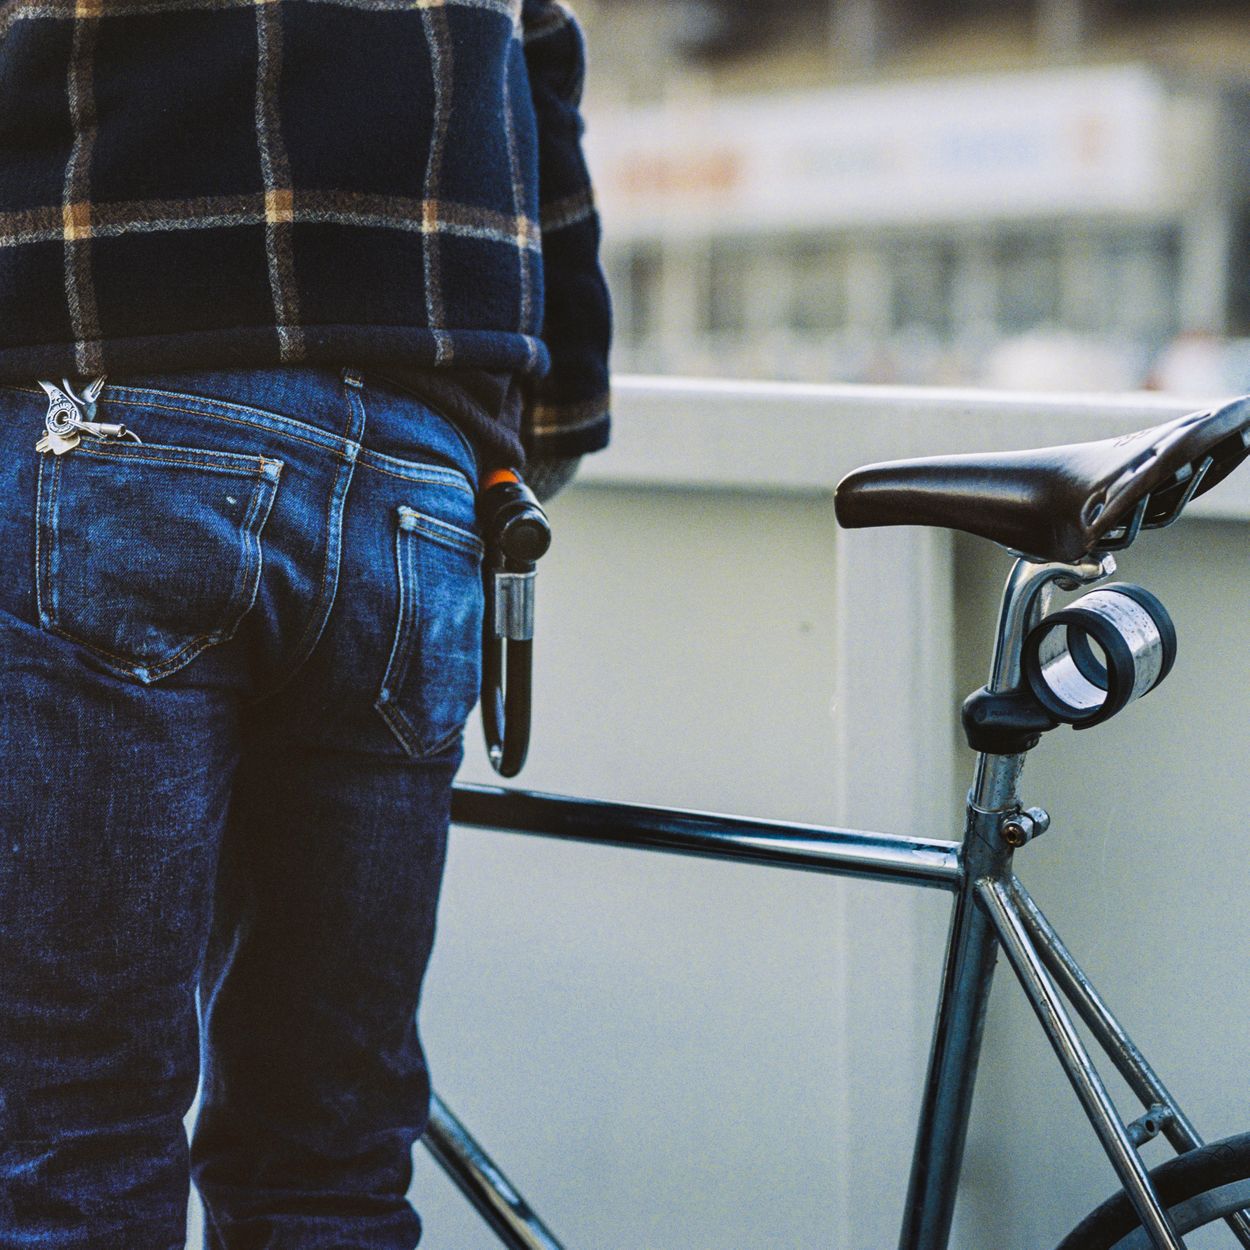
[315,1084]
[112,798]
[235,662]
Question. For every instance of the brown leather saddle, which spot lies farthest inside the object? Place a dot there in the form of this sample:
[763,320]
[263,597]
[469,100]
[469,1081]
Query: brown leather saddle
[1057,503]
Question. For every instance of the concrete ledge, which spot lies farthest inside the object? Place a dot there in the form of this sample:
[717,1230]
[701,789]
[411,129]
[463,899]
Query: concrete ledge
[777,437]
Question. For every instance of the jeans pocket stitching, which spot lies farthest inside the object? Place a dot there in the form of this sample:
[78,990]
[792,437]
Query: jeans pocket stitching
[208,459]
[223,410]
[409,628]
[42,591]
[416,471]
[406,732]
[445,532]
[242,595]
[407,633]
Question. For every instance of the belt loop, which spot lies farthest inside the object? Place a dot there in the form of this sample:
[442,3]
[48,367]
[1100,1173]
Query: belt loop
[355,396]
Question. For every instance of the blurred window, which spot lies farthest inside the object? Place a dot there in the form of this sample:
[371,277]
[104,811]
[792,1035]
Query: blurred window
[1239,279]
[1027,270]
[959,9]
[715,30]
[728,278]
[1123,283]
[642,304]
[1145,283]
[922,279]
[1167,8]
[818,285]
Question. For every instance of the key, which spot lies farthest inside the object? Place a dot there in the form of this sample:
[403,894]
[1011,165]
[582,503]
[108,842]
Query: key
[58,444]
[102,429]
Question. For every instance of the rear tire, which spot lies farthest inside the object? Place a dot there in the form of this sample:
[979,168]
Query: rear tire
[1198,1189]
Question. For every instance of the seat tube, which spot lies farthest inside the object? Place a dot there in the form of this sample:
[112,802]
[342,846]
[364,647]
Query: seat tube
[971,951]
[972,946]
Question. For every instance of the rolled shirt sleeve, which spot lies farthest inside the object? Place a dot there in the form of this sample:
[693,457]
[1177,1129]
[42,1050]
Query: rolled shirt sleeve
[566,413]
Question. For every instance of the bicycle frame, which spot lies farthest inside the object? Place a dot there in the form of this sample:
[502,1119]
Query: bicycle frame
[991,910]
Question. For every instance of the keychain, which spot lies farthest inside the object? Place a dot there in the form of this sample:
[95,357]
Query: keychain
[69,417]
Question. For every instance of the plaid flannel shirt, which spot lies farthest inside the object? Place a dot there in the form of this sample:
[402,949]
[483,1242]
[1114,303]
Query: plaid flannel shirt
[238,183]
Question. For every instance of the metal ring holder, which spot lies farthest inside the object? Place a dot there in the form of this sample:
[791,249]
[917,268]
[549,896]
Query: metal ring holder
[1092,659]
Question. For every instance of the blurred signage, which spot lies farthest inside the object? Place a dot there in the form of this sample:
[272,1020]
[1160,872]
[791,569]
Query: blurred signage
[986,148]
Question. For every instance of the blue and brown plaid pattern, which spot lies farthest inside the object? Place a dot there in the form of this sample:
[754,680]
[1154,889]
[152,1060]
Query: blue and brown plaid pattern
[188,183]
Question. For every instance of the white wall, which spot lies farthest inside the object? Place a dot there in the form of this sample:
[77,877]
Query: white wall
[646,1043]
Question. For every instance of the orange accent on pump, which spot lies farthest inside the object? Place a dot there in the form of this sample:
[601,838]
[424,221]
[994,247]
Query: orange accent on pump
[498,476]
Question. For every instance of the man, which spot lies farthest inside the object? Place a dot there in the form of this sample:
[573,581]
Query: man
[279,280]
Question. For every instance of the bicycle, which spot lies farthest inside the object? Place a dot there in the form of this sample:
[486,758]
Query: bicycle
[1063,512]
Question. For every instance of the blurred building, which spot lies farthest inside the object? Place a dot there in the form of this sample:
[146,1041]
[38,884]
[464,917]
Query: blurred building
[1044,194]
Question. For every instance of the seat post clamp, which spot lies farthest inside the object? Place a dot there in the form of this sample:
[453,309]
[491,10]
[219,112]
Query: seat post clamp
[1008,723]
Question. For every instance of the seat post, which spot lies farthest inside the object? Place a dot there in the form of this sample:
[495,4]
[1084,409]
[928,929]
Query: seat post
[972,946]
[1026,598]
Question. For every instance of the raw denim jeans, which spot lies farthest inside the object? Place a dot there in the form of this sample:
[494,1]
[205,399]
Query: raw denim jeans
[235,665]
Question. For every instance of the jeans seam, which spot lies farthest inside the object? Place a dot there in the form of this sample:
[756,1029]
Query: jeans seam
[411,594]
[213,405]
[405,731]
[200,460]
[448,535]
[319,617]
[272,423]
[407,634]
[43,591]
[366,460]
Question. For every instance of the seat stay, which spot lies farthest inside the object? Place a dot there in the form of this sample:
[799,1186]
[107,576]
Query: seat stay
[994,895]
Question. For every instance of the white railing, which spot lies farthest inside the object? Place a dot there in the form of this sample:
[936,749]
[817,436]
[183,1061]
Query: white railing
[777,436]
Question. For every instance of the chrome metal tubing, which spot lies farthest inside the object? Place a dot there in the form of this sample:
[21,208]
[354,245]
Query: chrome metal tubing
[946,1104]
[995,896]
[1120,1048]
[1025,598]
[815,848]
[482,1183]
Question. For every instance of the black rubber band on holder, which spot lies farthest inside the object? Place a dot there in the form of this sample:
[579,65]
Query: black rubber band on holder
[1087,663]
[1117,678]
[1120,670]
[1163,623]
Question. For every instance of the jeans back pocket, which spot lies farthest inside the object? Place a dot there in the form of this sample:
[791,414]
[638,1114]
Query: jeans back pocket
[147,554]
[435,665]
